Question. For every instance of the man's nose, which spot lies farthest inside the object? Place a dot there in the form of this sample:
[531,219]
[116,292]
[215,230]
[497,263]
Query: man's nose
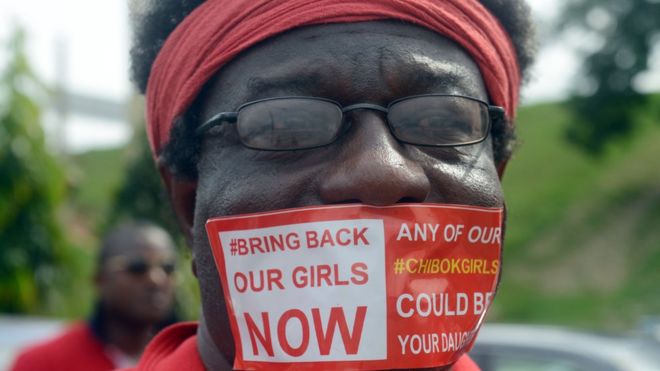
[372,167]
[156,275]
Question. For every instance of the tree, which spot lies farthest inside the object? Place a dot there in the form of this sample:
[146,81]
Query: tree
[34,253]
[142,194]
[620,37]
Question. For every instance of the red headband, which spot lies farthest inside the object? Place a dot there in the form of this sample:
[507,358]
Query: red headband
[218,30]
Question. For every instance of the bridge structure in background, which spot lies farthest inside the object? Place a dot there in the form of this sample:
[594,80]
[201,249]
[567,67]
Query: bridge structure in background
[65,105]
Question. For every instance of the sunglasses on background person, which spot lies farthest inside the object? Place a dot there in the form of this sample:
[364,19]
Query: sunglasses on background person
[138,267]
[292,123]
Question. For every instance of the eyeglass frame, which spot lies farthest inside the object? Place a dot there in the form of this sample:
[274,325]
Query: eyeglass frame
[495,114]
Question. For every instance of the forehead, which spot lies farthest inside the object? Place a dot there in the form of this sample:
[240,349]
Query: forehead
[141,242]
[367,61]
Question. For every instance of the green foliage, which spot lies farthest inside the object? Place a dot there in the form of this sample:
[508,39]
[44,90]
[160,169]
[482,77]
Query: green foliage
[582,238]
[35,255]
[96,174]
[620,35]
[141,195]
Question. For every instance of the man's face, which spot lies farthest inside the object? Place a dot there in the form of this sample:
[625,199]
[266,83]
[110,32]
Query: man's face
[374,62]
[138,283]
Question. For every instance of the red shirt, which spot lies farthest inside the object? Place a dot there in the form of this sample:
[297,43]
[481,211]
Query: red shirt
[175,348]
[77,349]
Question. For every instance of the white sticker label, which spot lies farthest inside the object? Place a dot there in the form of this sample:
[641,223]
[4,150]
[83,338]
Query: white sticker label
[309,292]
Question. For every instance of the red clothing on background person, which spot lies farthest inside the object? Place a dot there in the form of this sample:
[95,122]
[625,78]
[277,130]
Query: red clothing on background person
[175,348]
[77,349]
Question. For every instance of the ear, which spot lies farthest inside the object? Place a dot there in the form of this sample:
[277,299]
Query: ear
[182,196]
[500,168]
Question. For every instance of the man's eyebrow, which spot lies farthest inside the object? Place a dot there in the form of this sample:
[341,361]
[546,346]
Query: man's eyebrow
[421,75]
[427,74]
[297,81]
[432,78]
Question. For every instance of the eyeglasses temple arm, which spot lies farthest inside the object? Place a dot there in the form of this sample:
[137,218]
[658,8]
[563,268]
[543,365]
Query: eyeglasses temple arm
[496,113]
[217,120]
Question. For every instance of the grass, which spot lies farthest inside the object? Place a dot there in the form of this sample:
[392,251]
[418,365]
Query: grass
[583,243]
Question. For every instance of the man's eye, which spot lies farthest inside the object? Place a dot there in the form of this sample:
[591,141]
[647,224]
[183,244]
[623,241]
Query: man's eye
[298,120]
[221,138]
[436,124]
[219,130]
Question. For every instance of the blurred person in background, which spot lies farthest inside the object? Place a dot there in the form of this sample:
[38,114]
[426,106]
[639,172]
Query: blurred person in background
[200,62]
[135,286]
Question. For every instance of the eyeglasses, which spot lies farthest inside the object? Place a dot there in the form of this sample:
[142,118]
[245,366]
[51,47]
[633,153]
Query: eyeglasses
[138,267]
[291,123]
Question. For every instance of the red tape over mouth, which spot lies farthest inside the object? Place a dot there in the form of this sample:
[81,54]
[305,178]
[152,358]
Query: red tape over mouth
[355,286]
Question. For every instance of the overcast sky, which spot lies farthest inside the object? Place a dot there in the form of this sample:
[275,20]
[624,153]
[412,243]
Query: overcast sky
[93,37]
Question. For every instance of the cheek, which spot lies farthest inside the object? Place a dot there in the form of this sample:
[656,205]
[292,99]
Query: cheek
[121,291]
[470,179]
[214,309]
[168,285]
[239,181]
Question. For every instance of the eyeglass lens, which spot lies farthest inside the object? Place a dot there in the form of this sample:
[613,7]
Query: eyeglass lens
[438,121]
[289,123]
[139,267]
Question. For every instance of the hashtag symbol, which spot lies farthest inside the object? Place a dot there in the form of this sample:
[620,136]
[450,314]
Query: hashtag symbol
[398,266]
[233,247]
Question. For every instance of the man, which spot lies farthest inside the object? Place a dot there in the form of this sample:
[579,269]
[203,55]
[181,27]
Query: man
[261,114]
[135,285]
